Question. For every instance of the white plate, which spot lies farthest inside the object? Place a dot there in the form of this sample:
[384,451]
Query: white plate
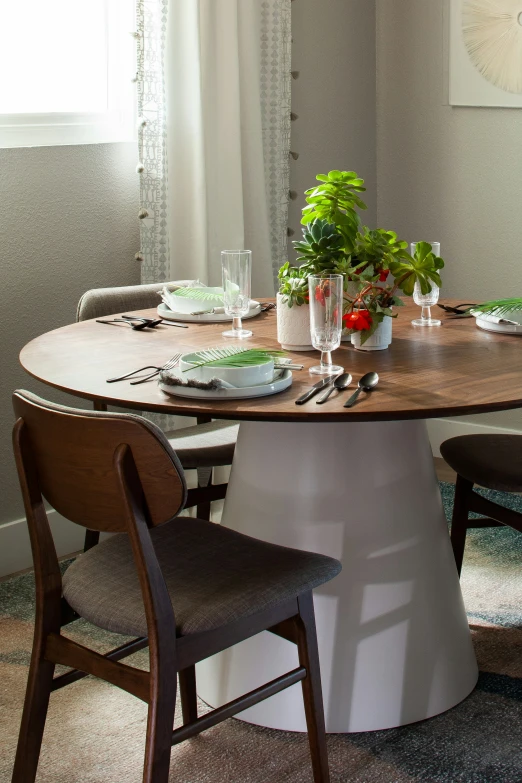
[209,318]
[264,390]
[490,325]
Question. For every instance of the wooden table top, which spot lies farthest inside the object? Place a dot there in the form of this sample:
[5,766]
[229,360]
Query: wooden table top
[452,370]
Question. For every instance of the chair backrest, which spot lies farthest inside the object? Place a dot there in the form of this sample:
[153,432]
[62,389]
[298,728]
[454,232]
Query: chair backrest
[99,302]
[72,454]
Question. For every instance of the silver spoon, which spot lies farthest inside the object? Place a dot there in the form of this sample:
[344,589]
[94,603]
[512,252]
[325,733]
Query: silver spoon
[367,383]
[341,382]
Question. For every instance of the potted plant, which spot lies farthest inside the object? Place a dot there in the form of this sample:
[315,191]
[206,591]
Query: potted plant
[330,223]
[385,269]
[375,264]
[293,316]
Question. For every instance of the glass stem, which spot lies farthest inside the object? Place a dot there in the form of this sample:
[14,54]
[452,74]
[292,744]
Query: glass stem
[326,359]
[236,324]
[426,314]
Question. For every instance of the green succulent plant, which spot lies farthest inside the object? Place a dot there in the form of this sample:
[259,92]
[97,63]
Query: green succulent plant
[293,287]
[321,249]
[335,201]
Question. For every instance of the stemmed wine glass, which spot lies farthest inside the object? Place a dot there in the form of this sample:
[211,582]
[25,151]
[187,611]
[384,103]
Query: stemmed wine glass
[326,313]
[426,301]
[236,266]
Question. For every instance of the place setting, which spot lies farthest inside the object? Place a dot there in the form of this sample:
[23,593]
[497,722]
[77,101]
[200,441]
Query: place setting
[199,303]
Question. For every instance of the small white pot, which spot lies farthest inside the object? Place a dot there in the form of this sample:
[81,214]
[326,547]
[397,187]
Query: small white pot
[380,339]
[293,326]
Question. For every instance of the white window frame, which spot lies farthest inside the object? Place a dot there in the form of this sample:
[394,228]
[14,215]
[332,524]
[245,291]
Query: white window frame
[117,123]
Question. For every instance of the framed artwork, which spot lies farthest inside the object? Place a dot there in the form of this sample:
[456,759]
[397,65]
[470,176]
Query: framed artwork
[486,53]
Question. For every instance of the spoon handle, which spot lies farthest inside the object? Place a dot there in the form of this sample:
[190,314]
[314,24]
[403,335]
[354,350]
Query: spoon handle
[325,396]
[353,398]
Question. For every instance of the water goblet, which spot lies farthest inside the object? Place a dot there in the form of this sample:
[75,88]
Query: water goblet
[236,266]
[426,301]
[326,312]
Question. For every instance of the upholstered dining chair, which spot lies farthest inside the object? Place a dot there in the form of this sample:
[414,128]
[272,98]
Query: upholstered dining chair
[207,445]
[186,587]
[491,461]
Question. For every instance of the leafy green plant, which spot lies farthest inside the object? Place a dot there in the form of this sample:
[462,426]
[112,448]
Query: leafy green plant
[422,268]
[375,263]
[498,307]
[198,293]
[292,287]
[335,200]
[376,249]
[376,296]
[233,356]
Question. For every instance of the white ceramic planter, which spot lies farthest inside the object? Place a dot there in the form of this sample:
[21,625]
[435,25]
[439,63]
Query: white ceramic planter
[380,339]
[293,326]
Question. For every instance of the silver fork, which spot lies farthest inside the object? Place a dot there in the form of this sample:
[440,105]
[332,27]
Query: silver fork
[167,366]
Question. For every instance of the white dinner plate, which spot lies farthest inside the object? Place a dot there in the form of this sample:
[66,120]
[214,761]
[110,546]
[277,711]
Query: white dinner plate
[489,325]
[279,385]
[209,318]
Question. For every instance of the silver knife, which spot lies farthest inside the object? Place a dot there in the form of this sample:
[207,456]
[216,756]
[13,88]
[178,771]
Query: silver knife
[315,389]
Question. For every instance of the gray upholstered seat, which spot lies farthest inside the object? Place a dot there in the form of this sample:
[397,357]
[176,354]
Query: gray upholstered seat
[493,461]
[214,576]
[205,445]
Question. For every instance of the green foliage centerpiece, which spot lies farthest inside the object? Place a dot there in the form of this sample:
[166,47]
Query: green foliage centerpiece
[376,265]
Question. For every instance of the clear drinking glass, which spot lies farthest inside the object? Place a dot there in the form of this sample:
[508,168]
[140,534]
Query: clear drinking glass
[326,313]
[426,301]
[236,266]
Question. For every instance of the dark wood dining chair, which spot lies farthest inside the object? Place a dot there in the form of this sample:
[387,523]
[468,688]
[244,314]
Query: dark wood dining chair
[186,587]
[207,445]
[490,461]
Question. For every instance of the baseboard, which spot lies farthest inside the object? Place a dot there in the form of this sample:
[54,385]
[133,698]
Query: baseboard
[440,430]
[15,547]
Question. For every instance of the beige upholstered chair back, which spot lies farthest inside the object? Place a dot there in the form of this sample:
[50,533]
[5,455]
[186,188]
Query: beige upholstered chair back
[99,302]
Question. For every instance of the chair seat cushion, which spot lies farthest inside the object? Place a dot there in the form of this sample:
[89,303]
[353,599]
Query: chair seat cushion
[205,445]
[493,461]
[214,575]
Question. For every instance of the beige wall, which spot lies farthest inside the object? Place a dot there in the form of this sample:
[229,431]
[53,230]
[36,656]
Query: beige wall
[334,96]
[68,224]
[445,173]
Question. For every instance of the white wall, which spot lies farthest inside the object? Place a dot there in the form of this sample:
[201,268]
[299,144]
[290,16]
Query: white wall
[69,223]
[446,173]
[334,51]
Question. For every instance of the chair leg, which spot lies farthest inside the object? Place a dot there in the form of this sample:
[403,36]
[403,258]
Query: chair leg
[312,691]
[33,718]
[160,725]
[187,690]
[459,519]
[204,480]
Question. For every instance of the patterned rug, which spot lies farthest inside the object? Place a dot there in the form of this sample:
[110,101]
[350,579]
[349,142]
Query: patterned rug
[95,733]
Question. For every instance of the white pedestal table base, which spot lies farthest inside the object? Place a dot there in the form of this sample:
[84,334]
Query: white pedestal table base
[393,635]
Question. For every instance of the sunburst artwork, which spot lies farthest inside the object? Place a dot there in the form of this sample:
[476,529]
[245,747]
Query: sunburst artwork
[486,53]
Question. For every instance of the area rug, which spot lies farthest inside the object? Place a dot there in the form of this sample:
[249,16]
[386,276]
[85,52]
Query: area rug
[95,732]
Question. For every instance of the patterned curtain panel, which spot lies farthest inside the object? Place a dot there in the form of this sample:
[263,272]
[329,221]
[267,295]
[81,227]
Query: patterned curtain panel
[152,167]
[223,136]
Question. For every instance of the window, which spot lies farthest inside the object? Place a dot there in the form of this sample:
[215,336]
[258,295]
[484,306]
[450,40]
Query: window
[67,70]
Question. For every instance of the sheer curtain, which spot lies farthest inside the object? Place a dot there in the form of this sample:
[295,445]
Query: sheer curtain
[215,104]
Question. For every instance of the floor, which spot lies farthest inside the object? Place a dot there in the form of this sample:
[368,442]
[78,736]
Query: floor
[94,732]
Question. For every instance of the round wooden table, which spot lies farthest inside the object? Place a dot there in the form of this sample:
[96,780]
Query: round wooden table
[358,484]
